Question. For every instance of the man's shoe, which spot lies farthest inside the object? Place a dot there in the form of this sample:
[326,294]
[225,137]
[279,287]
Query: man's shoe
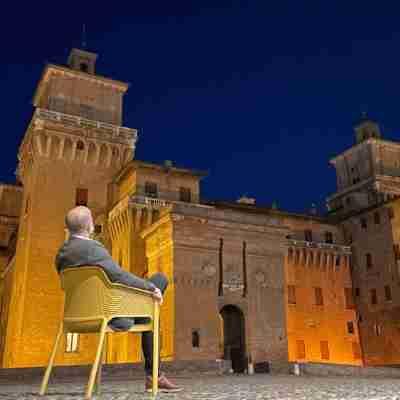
[164,385]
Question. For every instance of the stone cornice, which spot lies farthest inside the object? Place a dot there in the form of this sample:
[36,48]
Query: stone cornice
[375,141]
[61,70]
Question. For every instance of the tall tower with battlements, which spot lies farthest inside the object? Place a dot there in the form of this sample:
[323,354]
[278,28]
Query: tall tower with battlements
[73,147]
[368,173]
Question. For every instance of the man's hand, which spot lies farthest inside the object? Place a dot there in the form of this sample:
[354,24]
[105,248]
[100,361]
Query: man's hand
[158,295]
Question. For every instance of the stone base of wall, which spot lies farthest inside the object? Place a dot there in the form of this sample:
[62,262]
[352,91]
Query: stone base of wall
[320,369]
[109,372]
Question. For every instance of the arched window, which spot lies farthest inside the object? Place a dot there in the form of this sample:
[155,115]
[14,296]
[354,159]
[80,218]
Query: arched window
[80,145]
[195,338]
[84,67]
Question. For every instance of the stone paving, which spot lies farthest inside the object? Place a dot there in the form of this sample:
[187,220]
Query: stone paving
[257,387]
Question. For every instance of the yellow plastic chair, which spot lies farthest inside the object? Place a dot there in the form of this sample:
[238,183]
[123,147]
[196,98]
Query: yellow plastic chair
[91,301]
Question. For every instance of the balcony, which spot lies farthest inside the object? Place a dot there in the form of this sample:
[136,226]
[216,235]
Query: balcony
[320,245]
[117,133]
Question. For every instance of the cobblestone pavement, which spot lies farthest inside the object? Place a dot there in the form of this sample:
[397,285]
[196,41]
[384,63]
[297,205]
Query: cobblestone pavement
[257,387]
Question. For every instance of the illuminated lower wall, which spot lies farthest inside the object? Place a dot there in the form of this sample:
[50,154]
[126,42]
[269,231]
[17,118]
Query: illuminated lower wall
[319,333]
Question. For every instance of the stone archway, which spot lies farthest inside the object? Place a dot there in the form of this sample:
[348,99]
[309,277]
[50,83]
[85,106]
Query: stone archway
[234,337]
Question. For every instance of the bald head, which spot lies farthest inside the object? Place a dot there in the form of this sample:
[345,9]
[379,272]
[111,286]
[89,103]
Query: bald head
[79,221]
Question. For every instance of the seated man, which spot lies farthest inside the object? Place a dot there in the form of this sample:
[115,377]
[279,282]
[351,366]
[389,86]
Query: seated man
[79,250]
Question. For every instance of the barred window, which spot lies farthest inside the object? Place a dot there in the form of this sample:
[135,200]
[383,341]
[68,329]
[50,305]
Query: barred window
[71,344]
[324,350]
[350,327]
[319,298]
[300,349]
[151,189]
[308,235]
[291,294]
[185,194]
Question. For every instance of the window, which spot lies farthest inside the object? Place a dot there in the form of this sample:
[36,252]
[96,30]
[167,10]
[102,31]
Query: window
[81,197]
[27,205]
[185,194]
[377,218]
[348,297]
[328,237]
[84,67]
[324,350]
[195,338]
[291,294]
[374,298]
[378,329]
[151,189]
[388,293]
[368,259]
[71,345]
[356,350]
[97,229]
[319,299]
[396,251]
[338,259]
[357,292]
[390,213]
[300,349]
[308,235]
[80,145]
[86,111]
[363,222]
[350,327]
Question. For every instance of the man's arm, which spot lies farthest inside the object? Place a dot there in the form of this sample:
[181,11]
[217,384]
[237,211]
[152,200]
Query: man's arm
[100,256]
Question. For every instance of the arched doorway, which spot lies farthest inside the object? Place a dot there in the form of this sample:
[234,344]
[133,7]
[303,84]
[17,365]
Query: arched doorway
[234,338]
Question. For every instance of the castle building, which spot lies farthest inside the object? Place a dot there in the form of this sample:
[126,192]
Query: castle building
[247,283]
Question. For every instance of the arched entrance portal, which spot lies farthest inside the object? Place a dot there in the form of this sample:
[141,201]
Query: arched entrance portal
[234,339]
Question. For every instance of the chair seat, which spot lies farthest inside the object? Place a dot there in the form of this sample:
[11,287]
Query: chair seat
[134,328]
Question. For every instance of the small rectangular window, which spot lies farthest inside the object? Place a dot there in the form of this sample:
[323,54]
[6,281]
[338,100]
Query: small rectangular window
[378,329]
[324,350]
[374,298]
[349,301]
[356,350]
[357,292]
[291,294]
[396,251]
[328,237]
[195,338]
[71,344]
[81,197]
[185,194]
[300,349]
[377,218]
[319,299]
[151,189]
[308,237]
[363,222]
[388,293]
[350,327]
[368,259]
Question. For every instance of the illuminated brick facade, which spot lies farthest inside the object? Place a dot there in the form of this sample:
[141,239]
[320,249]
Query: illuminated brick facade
[248,283]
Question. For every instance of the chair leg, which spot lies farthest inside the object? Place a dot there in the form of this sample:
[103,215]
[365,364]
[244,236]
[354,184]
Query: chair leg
[93,372]
[46,377]
[156,333]
[99,371]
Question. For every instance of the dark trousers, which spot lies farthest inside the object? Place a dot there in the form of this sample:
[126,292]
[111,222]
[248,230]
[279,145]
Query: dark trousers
[123,324]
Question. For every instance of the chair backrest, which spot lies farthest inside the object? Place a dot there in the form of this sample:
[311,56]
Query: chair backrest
[86,290]
[91,298]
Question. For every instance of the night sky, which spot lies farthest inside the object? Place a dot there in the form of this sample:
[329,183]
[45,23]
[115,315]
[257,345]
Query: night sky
[261,96]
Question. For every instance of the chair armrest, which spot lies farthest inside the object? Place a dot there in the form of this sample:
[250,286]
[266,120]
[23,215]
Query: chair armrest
[132,289]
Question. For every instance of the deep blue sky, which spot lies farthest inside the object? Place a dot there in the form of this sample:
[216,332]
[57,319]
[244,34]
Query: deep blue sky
[261,96]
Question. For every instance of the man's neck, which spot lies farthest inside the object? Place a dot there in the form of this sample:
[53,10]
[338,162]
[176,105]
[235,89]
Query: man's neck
[81,236]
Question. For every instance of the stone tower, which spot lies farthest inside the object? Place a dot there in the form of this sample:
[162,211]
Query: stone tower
[368,173]
[73,147]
